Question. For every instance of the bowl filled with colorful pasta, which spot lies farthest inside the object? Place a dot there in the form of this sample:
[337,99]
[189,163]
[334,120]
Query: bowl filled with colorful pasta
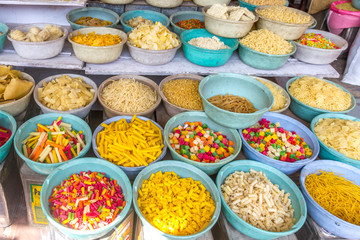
[307,101]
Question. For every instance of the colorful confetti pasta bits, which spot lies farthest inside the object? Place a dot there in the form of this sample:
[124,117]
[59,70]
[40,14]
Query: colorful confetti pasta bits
[275,142]
[175,205]
[190,24]
[86,201]
[196,141]
[54,143]
[317,41]
[5,135]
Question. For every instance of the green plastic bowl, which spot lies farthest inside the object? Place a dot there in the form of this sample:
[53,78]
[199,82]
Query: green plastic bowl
[209,168]
[356,4]
[261,60]
[4,31]
[328,152]
[95,12]
[85,164]
[306,112]
[46,119]
[184,15]
[206,57]
[252,7]
[147,14]
[184,170]
[7,121]
[276,177]
[244,86]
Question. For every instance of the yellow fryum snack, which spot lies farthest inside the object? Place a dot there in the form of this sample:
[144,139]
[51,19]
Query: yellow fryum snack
[175,205]
[65,93]
[12,86]
[96,40]
[153,37]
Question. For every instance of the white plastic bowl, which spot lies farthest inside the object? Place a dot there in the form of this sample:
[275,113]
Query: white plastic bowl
[315,55]
[164,3]
[38,50]
[210,2]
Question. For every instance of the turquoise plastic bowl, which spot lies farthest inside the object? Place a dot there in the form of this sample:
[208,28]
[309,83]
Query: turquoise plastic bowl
[4,31]
[322,217]
[85,164]
[261,60]
[46,119]
[208,168]
[276,177]
[147,14]
[244,86]
[252,7]
[184,15]
[184,170]
[289,124]
[7,121]
[206,57]
[131,172]
[95,12]
[306,112]
[356,4]
[328,152]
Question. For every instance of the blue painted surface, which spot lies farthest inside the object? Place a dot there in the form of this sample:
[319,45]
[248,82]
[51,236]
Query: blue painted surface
[7,121]
[184,15]
[147,14]
[4,31]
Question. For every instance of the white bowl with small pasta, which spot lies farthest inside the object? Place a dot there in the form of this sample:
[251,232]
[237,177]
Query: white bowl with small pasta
[116,94]
[210,2]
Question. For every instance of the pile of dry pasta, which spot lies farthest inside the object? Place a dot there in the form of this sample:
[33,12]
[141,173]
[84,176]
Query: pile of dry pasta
[232,103]
[183,93]
[284,14]
[129,96]
[266,2]
[279,98]
[341,135]
[266,41]
[335,194]
[318,93]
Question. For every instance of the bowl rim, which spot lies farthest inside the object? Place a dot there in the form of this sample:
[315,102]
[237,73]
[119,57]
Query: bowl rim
[315,150]
[300,222]
[193,14]
[125,14]
[177,77]
[144,80]
[82,160]
[28,78]
[14,124]
[6,28]
[40,25]
[38,119]
[127,118]
[255,6]
[223,161]
[282,90]
[243,77]
[197,171]
[334,152]
[267,54]
[306,194]
[316,31]
[312,21]
[185,43]
[120,33]
[76,10]
[53,77]
[293,99]
[204,11]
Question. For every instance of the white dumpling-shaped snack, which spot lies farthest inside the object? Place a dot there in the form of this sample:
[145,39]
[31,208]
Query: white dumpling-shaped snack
[43,35]
[34,30]
[55,32]
[17,35]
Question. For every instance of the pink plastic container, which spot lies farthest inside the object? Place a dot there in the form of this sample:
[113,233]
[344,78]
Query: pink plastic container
[340,19]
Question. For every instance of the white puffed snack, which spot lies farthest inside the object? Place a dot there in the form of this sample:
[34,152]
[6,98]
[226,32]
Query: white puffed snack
[233,13]
[255,199]
[138,21]
[35,34]
[213,43]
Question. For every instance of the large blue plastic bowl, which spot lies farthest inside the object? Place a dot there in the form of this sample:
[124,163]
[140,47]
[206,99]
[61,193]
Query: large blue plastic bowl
[322,217]
[328,152]
[85,164]
[236,84]
[184,170]
[196,116]
[184,15]
[95,12]
[147,14]
[131,172]
[356,4]
[7,121]
[261,60]
[306,112]
[252,7]
[4,31]
[276,177]
[46,119]
[288,124]
[206,57]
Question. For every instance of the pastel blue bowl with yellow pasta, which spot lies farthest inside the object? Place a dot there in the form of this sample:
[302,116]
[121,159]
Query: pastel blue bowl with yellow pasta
[252,7]
[307,112]
[327,152]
